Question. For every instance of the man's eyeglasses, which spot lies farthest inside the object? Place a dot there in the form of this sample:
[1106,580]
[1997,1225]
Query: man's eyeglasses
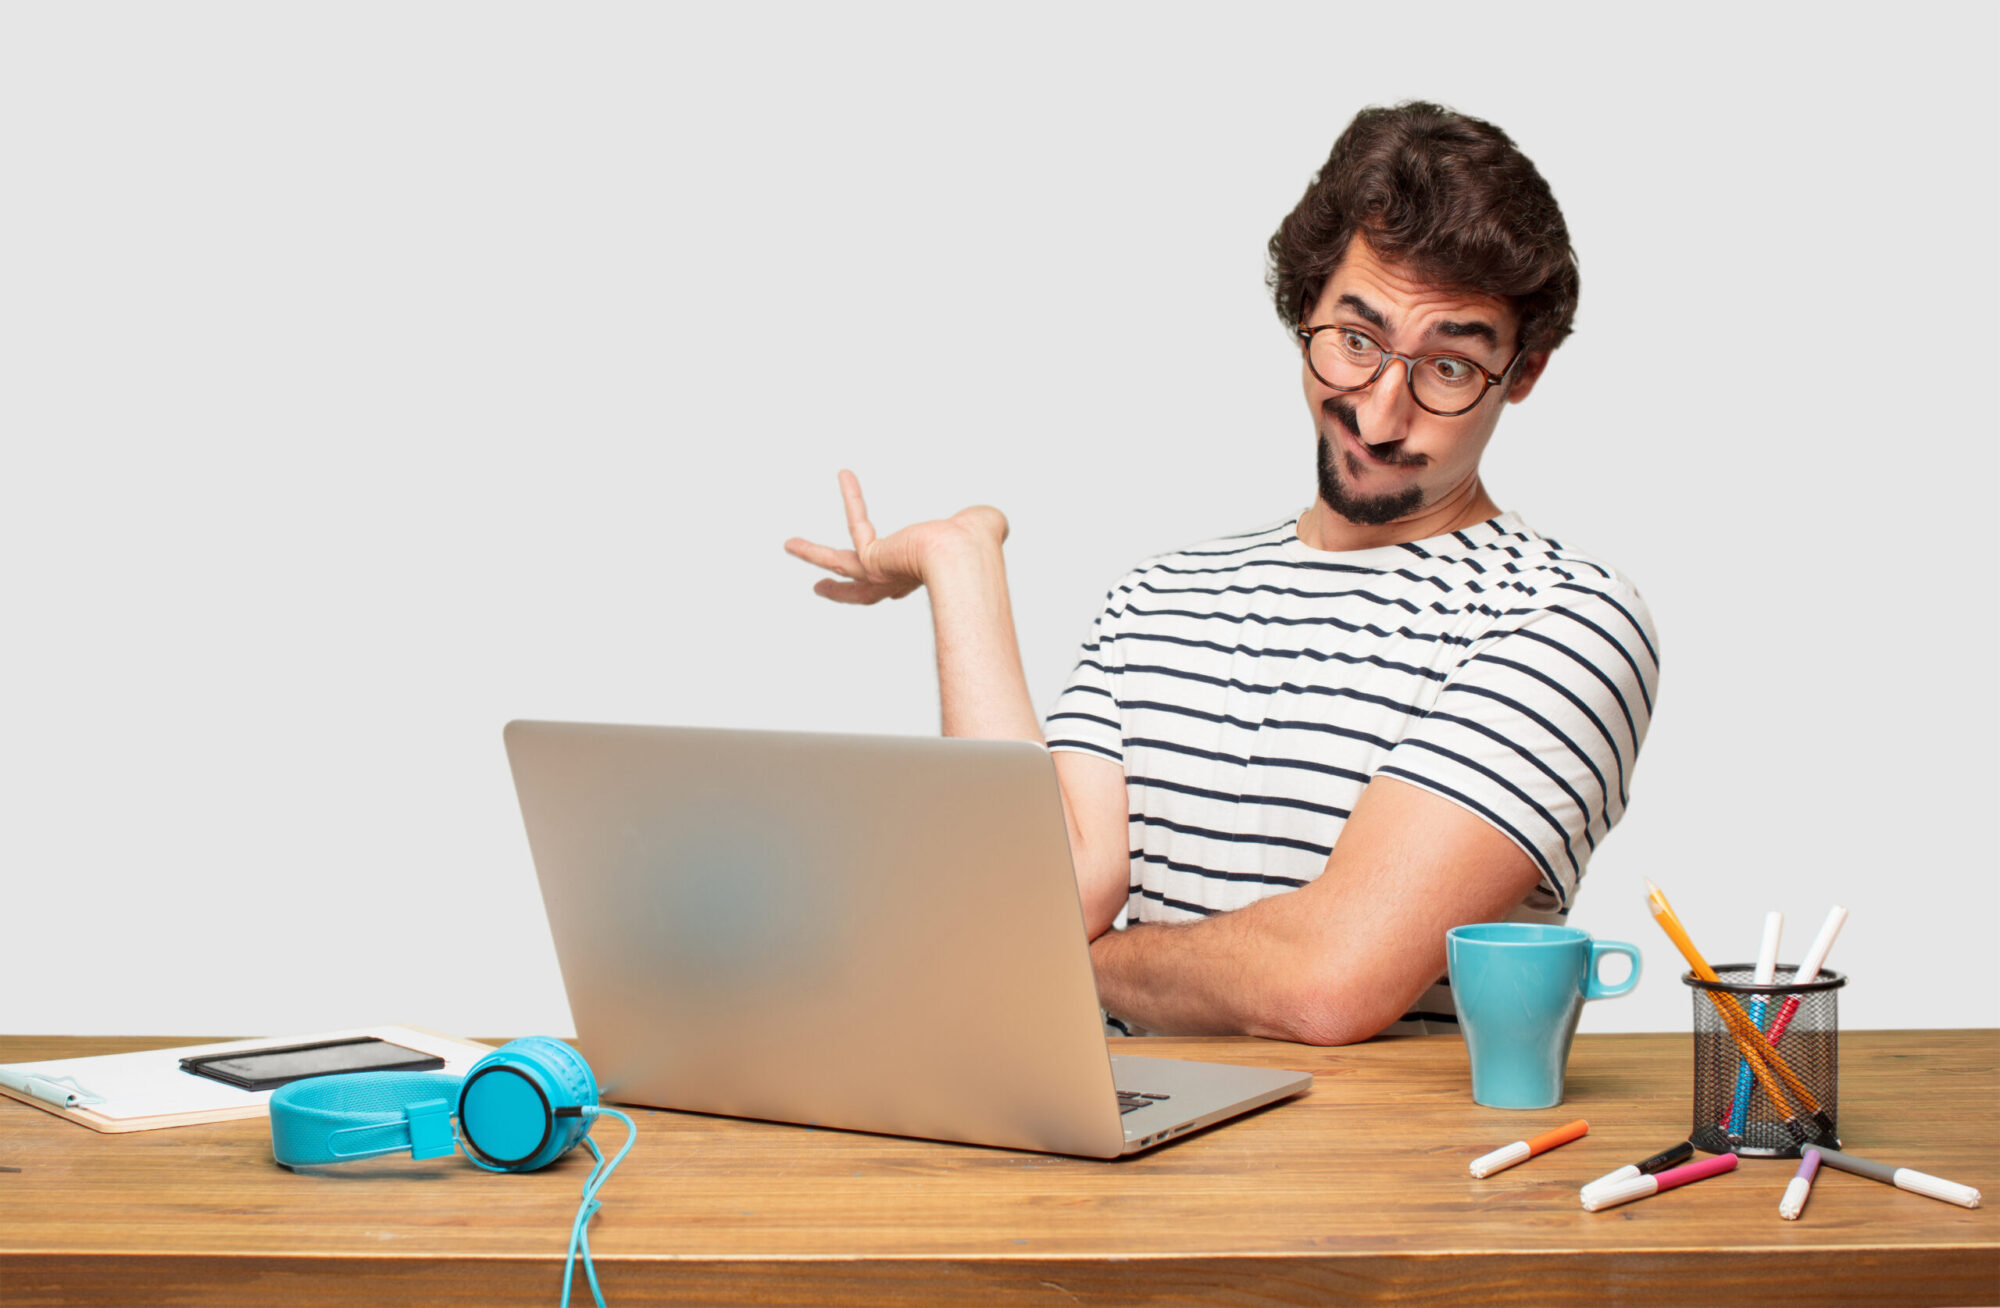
[1348,359]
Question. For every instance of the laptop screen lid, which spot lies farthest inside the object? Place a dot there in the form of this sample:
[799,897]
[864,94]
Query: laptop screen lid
[867,932]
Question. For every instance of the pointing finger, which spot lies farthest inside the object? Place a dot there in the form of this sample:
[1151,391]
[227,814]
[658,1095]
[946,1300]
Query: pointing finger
[845,562]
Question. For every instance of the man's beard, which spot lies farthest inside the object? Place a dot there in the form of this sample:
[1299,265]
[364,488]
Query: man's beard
[1361,510]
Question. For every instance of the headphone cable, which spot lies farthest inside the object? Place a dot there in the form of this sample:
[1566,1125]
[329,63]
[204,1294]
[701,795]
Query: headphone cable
[579,1231]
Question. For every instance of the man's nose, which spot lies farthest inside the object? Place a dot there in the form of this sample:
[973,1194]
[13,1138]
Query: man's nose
[1391,407]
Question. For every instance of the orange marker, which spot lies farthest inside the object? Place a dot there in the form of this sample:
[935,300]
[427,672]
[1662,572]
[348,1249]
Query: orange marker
[1521,1150]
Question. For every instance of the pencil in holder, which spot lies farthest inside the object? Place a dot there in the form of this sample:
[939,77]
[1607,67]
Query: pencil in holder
[1766,1062]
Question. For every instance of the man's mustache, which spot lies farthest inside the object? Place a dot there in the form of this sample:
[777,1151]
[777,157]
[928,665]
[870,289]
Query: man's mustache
[1343,413]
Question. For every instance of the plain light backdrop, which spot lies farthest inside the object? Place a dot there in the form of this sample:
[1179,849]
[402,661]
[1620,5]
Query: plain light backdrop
[372,374]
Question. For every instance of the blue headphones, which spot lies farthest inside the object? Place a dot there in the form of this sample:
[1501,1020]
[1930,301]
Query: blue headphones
[519,1109]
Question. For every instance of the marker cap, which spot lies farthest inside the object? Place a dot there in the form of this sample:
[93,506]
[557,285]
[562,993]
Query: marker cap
[1503,1157]
[1620,1192]
[1936,1187]
[1609,1178]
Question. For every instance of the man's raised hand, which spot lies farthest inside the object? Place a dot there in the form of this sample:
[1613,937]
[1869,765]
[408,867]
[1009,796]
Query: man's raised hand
[890,567]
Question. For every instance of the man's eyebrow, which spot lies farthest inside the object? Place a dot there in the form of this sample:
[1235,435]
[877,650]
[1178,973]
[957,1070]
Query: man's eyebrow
[1484,331]
[1366,310]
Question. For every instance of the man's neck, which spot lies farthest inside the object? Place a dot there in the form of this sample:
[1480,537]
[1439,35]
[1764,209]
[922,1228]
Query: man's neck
[1323,529]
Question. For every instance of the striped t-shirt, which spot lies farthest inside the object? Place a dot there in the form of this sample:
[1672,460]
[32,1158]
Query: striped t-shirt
[1253,685]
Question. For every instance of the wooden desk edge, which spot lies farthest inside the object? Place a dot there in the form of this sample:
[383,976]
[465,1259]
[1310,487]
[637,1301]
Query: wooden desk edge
[1913,1275]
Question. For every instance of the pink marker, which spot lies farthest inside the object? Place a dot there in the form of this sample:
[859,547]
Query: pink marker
[1641,1187]
[1815,959]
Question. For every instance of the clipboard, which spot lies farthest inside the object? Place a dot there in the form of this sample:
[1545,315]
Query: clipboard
[146,1091]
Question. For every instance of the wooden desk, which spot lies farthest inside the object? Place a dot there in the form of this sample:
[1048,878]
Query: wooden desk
[1358,1192]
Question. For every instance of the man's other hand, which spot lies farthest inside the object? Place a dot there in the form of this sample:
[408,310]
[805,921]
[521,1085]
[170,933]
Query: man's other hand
[890,567]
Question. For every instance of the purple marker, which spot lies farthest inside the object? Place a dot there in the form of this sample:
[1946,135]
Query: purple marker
[1794,1201]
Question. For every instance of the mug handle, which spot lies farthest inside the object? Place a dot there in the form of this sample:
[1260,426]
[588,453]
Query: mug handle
[1596,989]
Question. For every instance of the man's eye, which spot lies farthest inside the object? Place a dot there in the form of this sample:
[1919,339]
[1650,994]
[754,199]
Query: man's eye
[1355,343]
[1450,369]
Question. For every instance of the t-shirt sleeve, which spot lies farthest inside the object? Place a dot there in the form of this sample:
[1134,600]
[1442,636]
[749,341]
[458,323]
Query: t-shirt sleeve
[1086,716]
[1538,730]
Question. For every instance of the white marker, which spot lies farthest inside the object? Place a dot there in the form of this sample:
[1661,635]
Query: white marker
[1822,945]
[1767,953]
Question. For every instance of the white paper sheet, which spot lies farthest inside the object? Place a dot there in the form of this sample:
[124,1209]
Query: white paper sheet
[151,1083]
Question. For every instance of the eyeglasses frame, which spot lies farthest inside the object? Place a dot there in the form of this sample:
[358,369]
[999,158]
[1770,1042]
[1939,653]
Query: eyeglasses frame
[1409,362]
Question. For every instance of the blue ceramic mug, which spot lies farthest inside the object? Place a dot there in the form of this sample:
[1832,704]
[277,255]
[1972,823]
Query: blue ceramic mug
[1519,988]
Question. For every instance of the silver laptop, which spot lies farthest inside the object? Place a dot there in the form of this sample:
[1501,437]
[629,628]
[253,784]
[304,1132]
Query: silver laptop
[874,933]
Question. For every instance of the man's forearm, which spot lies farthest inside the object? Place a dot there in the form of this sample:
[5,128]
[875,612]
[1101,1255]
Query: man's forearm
[981,685]
[1339,959]
[984,694]
[1250,972]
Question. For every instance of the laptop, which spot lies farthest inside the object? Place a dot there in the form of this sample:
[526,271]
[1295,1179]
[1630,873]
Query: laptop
[873,933]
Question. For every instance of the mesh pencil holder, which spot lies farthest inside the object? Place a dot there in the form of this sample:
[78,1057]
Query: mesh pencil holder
[1787,1094]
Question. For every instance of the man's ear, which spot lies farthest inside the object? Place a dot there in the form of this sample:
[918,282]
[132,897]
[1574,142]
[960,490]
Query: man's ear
[1526,374]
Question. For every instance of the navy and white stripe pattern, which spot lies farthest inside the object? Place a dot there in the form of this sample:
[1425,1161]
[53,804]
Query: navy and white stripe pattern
[1252,686]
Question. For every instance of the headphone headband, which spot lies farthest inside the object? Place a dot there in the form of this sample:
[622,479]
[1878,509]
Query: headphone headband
[334,1119]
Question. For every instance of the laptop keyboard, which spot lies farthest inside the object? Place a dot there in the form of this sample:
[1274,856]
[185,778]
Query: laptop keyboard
[1131,1099]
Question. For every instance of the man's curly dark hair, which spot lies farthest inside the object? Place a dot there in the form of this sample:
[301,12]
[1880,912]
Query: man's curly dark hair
[1449,197]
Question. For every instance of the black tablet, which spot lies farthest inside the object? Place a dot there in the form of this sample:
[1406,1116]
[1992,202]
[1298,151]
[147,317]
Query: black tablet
[267,1069]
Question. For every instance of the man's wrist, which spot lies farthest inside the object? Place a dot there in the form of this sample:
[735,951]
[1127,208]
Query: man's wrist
[962,546]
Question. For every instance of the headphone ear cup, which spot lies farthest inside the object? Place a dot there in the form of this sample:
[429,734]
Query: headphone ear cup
[564,1065]
[521,1106]
[567,1069]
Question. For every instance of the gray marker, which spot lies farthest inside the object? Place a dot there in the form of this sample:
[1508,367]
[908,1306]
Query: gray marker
[1930,1187]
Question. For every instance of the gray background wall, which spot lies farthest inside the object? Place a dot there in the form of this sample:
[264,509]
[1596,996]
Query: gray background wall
[373,374]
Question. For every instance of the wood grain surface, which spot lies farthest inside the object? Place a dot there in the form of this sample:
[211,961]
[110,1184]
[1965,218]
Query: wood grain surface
[1358,1192]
